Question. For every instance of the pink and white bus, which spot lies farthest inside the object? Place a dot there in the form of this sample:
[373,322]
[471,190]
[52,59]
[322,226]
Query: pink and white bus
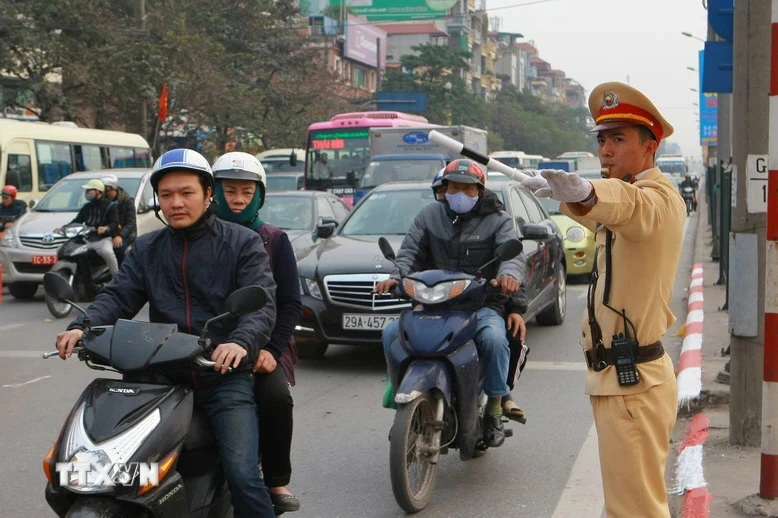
[337,151]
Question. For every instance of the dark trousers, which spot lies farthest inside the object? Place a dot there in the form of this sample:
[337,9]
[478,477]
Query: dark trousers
[275,426]
[120,253]
[232,414]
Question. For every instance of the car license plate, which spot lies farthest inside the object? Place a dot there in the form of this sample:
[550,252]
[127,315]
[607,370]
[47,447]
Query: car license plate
[367,322]
[44,259]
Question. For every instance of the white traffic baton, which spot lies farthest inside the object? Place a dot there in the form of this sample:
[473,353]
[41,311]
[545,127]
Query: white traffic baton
[490,163]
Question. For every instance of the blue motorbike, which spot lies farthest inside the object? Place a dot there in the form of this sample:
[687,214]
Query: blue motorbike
[434,365]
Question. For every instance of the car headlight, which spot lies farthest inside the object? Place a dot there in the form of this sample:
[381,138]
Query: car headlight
[575,234]
[9,239]
[313,288]
[76,447]
[442,292]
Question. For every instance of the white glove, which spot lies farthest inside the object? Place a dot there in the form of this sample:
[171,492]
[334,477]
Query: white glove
[538,186]
[566,187]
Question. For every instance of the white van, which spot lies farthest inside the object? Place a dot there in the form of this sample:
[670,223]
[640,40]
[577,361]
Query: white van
[279,160]
[29,248]
[517,159]
[35,155]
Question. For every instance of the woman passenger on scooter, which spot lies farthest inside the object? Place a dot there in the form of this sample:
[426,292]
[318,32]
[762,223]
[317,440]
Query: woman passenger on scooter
[240,193]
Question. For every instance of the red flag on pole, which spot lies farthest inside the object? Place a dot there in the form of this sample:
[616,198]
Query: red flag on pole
[163,104]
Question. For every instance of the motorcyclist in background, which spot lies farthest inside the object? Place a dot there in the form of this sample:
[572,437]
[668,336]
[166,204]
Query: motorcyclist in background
[126,232]
[100,213]
[688,182]
[10,207]
[240,194]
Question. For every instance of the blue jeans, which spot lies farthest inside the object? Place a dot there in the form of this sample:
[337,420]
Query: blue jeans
[232,414]
[491,340]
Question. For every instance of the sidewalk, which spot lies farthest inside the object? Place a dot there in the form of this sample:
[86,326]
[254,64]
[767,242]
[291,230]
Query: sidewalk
[731,472]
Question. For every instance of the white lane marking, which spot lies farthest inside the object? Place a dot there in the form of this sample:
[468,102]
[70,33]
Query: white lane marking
[582,496]
[8,327]
[555,366]
[16,385]
[22,354]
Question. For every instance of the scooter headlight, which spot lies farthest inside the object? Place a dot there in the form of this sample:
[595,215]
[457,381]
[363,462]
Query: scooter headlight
[441,292]
[117,451]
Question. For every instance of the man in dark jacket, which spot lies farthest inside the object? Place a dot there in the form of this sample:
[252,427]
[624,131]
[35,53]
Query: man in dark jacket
[126,232]
[185,272]
[10,208]
[98,212]
[460,234]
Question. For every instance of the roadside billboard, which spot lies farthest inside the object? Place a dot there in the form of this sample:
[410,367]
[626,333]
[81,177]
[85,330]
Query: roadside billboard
[397,10]
[362,42]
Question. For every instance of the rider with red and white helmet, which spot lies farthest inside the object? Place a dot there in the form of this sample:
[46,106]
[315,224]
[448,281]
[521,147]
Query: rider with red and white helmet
[11,208]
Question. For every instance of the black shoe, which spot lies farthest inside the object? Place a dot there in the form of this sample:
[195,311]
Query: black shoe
[285,503]
[494,435]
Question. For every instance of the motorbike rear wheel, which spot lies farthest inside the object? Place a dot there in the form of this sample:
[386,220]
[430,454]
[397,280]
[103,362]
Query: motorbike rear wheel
[413,475]
[56,308]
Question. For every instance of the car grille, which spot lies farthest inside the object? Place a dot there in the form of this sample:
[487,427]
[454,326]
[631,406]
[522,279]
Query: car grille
[32,268]
[43,242]
[357,291]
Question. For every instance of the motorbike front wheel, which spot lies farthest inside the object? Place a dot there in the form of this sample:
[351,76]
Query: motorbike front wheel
[56,308]
[413,435]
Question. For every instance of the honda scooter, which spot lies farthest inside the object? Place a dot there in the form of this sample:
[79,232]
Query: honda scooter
[141,419]
[84,269]
[434,365]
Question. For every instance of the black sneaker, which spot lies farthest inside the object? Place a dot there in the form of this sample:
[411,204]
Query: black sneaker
[494,435]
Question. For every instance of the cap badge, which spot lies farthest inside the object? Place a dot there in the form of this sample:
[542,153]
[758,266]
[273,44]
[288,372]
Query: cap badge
[610,100]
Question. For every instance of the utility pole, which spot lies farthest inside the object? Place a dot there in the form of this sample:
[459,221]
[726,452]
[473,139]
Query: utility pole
[143,103]
[750,109]
[768,473]
[378,65]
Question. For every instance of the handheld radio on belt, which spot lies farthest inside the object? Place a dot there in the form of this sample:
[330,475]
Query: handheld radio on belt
[624,352]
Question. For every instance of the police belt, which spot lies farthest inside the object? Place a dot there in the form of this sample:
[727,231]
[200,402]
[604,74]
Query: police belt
[647,353]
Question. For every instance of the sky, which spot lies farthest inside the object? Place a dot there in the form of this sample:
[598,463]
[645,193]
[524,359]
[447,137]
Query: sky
[632,41]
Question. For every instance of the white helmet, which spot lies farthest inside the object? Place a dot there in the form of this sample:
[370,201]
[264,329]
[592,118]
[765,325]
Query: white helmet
[238,165]
[110,180]
[178,160]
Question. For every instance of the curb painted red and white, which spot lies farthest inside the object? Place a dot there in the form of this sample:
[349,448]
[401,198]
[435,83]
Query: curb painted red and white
[689,478]
[689,372]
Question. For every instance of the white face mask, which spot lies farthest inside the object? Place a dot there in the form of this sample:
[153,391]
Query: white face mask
[461,203]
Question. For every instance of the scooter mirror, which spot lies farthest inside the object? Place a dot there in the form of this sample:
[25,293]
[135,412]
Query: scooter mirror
[386,248]
[508,250]
[246,300]
[57,287]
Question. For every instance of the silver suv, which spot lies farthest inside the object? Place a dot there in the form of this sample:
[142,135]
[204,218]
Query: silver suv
[29,248]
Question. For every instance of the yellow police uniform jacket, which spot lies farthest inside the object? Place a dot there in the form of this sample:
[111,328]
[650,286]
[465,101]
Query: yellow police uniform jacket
[646,219]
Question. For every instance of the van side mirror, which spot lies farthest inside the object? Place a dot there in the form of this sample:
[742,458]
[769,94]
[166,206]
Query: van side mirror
[32,203]
[293,159]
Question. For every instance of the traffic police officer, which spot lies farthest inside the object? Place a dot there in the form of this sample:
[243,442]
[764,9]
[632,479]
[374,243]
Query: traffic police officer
[630,379]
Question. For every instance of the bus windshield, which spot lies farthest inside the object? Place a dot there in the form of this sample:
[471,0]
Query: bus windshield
[333,153]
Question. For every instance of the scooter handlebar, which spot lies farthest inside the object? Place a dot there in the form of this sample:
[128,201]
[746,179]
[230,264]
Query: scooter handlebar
[202,362]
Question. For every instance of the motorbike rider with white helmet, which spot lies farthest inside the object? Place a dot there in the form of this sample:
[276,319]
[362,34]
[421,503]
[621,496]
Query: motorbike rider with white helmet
[240,194]
[186,271]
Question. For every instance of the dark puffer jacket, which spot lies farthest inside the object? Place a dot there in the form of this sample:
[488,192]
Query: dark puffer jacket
[99,212]
[127,227]
[186,277]
[441,239]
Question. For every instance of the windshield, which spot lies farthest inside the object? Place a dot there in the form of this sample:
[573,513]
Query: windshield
[336,152]
[385,171]
[284,182]
[68,195]
[511,161]
[672,167]
[386,212]
[551,206]
[288,212]
[281,165]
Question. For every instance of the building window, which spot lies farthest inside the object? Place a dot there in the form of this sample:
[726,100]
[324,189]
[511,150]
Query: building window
[358,77]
